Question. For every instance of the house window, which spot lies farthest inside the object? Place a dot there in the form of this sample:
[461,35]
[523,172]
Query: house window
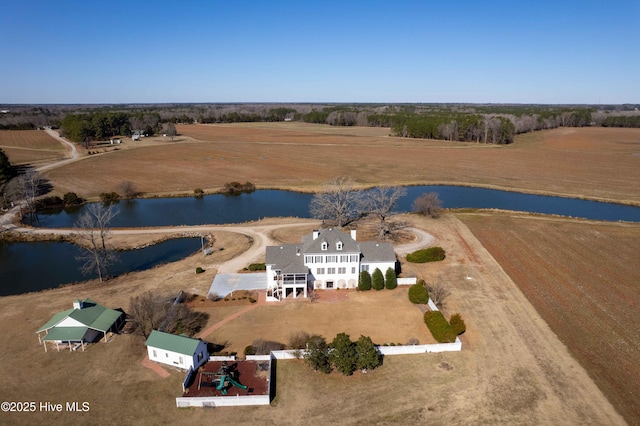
[331,270]
[155,354]
[364,268]
[353,269]
[181,360]
[308,259]
[332,259]
[166,354]
[342,270]
[344,259]
[325,245]
[320,271]
[318,259]
[339,245]
[354,258]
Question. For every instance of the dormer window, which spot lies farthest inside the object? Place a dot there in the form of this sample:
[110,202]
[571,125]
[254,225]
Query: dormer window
[339,245]
[324,245]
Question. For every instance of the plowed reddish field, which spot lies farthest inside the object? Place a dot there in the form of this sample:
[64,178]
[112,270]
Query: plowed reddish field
[583,278]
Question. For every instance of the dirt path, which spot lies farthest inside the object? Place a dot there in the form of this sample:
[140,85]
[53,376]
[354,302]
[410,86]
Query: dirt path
[70,145]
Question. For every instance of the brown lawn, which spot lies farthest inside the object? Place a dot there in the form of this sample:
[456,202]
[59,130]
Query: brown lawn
[583,279]
[587,162]
[30,147]
[512,369]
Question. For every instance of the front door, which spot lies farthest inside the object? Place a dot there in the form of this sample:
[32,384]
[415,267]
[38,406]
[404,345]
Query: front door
[329,284]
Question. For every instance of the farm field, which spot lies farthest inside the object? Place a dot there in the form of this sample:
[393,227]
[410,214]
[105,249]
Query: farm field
[598,163]
[512,369]
[583,279]
[30,146]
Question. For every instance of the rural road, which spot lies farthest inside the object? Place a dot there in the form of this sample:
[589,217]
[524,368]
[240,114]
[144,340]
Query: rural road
[70,145]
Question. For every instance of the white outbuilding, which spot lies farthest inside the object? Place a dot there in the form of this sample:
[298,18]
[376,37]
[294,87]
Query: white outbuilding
[176,350]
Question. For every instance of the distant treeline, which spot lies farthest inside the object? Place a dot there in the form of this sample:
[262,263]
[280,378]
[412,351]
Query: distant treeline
[492,123]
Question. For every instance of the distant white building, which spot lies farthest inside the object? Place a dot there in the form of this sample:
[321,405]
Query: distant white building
[176,350]
[325,259]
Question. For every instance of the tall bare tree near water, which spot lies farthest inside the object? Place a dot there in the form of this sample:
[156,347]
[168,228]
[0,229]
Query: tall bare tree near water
[338,202]
[380,202]
[97,255]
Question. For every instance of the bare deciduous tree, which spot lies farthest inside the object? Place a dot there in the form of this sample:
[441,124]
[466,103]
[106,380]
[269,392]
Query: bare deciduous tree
[339,202]
[169,129]
[438,293]
[97,255]
[28,187]
[380,202]
[428,204]
[128,189]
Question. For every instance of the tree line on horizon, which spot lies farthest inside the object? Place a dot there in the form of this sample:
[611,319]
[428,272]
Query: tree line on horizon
[492,123]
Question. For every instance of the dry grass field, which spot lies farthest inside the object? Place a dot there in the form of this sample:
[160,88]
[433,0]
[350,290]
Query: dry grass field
[583,279]
[512,369]
[583,162]
[30,147]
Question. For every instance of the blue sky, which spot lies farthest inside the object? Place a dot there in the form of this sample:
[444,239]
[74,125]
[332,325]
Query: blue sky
[484,51]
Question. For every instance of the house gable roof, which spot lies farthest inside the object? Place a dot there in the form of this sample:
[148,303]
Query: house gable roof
[377,252]
[331,236]
[173,342]
[90,315]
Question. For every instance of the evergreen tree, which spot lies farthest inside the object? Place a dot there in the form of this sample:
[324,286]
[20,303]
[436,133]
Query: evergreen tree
[364,283]
[390,280]
[367,355]
[6,170]
[377,280]
[343,356]
[317,354]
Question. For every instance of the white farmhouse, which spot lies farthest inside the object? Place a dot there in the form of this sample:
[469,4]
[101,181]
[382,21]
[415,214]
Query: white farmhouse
[176,350]
[325,259]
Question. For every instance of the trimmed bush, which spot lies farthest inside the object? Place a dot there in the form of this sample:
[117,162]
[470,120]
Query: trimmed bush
[364,283]
[257,267]
[367,355]
[199,270]
[418,293]
[377,280]
[343,355]
[431,254]
[457,323]
[390,279]
[249,350]
[440,329]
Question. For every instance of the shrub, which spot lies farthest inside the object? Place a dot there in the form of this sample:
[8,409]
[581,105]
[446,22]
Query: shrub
[377,280]
[390,279]
[298,340]
[72,199]
[109,197]
[199,270]
[418,293]
[249,350]
[252,300]
[263,347]
[440,329]
[257,267]
[49,203]
[364,283]
[233,188]
[457,323]
[198,192]
[213,296]
[431,254]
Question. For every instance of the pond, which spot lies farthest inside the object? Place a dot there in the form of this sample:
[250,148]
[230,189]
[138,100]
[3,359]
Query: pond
[220,209]
[36,266]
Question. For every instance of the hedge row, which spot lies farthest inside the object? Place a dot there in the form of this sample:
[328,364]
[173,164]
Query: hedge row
[431,254]
[440,329]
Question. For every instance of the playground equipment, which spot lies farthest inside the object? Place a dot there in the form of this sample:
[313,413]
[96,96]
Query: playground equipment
[223,379]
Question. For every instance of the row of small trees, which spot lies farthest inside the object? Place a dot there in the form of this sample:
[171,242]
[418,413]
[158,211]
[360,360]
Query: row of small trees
[342,354]
[377,281]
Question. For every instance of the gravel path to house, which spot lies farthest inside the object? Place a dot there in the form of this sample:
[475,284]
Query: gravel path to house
[423,239]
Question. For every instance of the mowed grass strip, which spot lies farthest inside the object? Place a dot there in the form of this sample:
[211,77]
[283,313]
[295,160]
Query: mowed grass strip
[386,316]
[583,279]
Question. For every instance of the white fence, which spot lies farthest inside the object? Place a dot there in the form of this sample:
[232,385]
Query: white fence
[420,349]
[407,281]
[222,401]
[222,358]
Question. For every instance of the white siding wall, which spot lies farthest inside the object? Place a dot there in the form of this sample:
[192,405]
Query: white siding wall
[339,280]
[175,359]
